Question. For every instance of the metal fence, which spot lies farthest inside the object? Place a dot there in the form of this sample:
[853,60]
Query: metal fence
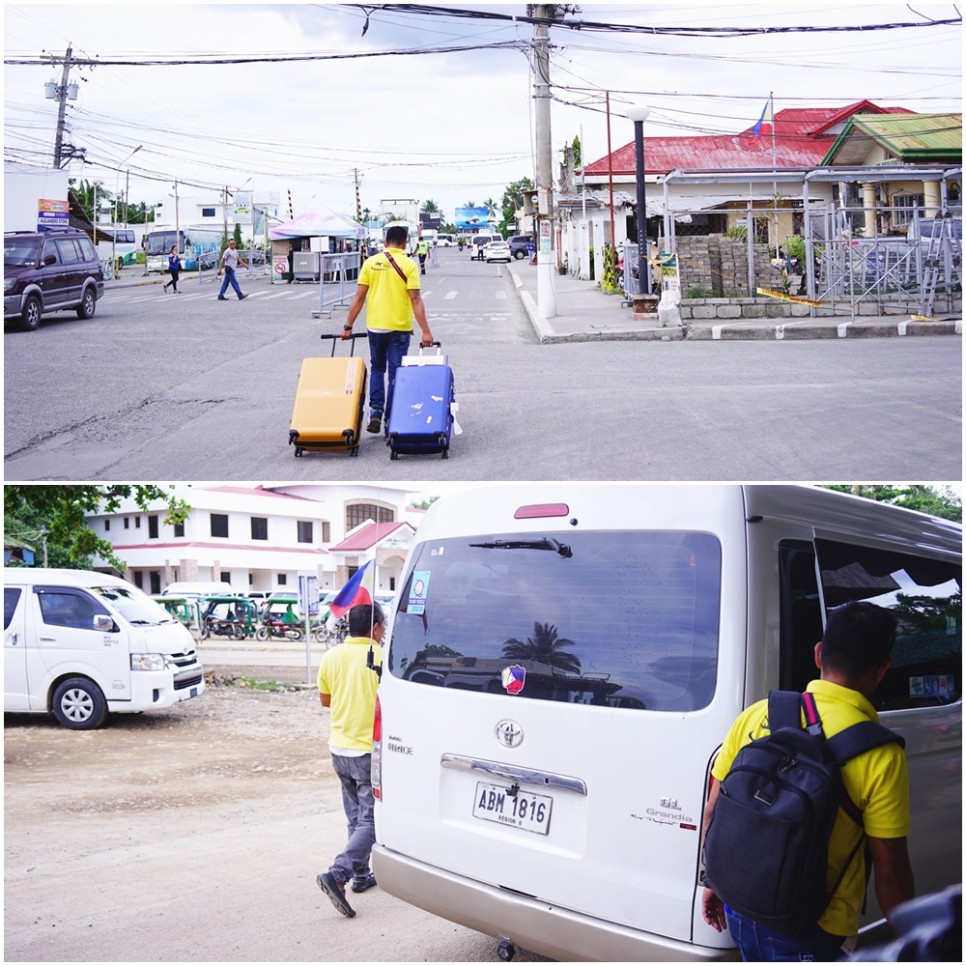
[833,256]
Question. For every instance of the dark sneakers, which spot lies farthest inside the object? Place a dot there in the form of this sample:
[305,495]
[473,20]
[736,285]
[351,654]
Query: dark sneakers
[375,423]
[335,890]
[361,884]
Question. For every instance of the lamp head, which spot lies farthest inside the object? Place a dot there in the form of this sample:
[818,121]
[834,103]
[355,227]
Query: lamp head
[638,113]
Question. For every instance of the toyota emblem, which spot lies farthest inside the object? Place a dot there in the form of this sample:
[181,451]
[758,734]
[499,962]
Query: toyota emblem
[509,733]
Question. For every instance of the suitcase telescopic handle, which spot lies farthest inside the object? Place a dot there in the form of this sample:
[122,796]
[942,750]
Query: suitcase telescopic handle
[351,340]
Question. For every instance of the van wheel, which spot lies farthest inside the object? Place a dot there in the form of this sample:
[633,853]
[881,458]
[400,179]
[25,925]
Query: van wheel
[32,310]
[88,303]
[78,704]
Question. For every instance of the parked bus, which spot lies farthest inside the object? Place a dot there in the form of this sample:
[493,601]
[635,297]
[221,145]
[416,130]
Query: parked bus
[193,242]
[119,244]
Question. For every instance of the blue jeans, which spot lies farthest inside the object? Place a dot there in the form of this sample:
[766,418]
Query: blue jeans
[359,805]
[759,944]
[232,281]
[386,350]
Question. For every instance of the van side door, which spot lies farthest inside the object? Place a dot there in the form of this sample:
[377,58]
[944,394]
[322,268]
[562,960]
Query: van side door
[16,696]
[75,269]
[52,274]
[68,642]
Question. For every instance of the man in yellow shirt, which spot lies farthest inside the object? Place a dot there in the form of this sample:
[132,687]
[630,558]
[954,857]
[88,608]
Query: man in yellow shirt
[347,687]
[390,279]
[852,658]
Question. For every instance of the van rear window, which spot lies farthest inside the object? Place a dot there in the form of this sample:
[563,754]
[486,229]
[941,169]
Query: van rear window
[613,619]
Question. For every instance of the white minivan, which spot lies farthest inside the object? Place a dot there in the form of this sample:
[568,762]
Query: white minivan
[564,662]
[80,644]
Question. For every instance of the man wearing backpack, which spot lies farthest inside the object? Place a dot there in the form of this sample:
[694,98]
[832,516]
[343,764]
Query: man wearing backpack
[853,657]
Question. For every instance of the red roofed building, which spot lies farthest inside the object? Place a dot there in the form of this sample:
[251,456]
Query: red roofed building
[709,184]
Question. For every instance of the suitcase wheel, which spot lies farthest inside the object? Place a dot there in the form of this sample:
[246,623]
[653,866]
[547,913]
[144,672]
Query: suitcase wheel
[298,452]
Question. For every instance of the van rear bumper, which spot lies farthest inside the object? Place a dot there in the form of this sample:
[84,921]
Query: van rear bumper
[528,923]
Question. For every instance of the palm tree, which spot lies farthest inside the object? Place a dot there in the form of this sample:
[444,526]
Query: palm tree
[545,648]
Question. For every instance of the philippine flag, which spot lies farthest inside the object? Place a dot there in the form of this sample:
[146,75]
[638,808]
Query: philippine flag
[766,116]
[357,590]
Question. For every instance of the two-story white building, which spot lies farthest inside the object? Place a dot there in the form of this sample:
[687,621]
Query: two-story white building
[263,538]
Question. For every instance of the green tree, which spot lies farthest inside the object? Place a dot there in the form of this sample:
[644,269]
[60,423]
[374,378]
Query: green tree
[926,499]
[545,647]
[424,504]
[86,192]
[514,195]
[431,208]
[60,512]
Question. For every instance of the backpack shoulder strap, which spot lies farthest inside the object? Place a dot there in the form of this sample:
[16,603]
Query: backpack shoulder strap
[860,738]
[784,710]
[856,740]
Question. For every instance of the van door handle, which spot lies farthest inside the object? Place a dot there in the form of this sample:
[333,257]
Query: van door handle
[50,639]
[527,776]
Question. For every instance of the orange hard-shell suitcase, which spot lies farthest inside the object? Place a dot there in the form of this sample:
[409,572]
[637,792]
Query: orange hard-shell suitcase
[329,403]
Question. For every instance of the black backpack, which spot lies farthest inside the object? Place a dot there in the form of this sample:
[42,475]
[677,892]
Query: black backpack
[766,848]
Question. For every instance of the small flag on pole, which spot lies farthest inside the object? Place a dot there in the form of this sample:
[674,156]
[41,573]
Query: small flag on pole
[358,589]
[766,115]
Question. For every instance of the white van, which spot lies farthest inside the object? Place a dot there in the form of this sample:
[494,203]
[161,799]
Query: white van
[564,662]
[79,644]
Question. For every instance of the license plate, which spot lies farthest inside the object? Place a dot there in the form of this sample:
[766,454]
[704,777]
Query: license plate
[522,810]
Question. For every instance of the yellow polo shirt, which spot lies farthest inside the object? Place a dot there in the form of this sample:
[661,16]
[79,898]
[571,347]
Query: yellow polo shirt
[344,675]
[388,305]
[877,782]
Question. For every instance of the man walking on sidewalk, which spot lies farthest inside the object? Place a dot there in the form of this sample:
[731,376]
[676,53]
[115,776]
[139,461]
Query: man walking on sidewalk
[230,261]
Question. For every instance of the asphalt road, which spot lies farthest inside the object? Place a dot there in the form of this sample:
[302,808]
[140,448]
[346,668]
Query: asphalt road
[180,387]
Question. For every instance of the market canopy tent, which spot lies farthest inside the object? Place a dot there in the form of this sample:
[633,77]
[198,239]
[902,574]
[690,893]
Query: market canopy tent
[318,222]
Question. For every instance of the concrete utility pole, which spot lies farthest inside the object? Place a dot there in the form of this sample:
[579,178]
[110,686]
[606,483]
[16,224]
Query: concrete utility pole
[62,108]
[546,262]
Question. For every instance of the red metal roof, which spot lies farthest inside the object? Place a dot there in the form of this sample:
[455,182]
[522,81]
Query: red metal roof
[803,136]
[369,536]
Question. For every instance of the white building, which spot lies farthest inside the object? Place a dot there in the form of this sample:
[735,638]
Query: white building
[264,538]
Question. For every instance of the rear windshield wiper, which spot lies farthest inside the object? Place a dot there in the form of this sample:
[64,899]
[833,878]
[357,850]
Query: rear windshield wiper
[546,543]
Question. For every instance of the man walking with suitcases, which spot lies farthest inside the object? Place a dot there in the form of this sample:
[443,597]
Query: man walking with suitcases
[747,856]
[347,687]
[390,280]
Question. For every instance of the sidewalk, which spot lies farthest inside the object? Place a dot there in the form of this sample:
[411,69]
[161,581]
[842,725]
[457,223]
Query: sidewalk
[585,314]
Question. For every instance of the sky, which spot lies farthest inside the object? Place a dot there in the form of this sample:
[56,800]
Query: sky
[451,127]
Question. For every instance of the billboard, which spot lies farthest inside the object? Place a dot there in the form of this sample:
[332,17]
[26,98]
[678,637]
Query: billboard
[472,217]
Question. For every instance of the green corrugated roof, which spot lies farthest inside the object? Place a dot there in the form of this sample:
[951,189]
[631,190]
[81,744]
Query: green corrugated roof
[908,137]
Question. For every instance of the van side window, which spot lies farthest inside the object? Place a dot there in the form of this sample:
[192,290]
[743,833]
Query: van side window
[926,595]
[11,597]
[801,614]
[621,620]
[66,609]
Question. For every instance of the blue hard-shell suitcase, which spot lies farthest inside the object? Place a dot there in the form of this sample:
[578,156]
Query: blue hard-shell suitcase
[421,420]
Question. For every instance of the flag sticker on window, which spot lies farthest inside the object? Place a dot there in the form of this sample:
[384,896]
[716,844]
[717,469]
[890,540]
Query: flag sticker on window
[513,678]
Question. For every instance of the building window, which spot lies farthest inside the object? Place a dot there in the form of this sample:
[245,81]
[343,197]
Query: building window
[208,212]
[906,206]
[219,524]
[326,532]
[139,580]
[107,525]
[259,528]
[357,513]
[127,523]
[137,523]
[155,577]
[282,580]
[225,577]
[153,533]
[179,529]
[305,531]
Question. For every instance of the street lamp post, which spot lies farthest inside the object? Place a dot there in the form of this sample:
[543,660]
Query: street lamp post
[639,115]
[116,193]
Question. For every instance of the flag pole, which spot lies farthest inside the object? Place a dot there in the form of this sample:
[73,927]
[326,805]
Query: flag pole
[774,168]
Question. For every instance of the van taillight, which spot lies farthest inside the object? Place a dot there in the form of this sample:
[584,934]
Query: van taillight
[376,769]
[537,510]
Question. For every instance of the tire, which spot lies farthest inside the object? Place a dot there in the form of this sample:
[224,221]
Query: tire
[79,705]
[88,304]
[518,254]
[262,634]
[32,311]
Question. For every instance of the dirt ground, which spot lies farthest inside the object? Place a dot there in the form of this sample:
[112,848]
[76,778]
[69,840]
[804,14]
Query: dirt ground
[193,834]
